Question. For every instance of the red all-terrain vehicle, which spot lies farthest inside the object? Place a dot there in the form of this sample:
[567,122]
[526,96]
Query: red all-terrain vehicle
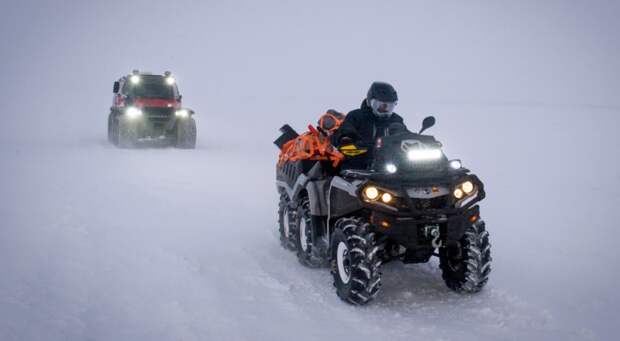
[147,107]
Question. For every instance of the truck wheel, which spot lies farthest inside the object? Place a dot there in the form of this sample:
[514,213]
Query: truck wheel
[466,268]
[127,133]
[355,261]
[286,220]
[186,133]
[111,128]
[302,234]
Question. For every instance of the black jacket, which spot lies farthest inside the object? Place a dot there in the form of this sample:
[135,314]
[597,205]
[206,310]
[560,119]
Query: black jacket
[361,125]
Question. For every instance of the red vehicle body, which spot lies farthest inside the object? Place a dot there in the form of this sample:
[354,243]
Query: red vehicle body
[147,107]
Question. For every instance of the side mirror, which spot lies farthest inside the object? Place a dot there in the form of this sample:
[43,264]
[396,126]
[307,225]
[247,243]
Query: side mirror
[427,123]
[116,87]
[180,98]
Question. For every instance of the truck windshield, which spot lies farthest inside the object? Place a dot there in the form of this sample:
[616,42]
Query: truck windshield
[152,87]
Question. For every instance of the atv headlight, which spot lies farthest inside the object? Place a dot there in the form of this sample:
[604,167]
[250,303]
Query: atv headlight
[464,189]
[455,164]
[133,112]
[458,193]
[182,113]
[387,198]
[467,187]
[424,154]
[371,192]
[391,168]
[134,79]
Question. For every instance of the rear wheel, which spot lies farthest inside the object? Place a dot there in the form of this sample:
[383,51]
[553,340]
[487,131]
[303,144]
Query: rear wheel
[355,261]
[466,268]
[286,220]
[302,234]
[127,132]
[186,133]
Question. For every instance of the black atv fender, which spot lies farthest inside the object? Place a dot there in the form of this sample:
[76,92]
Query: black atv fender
[343,197]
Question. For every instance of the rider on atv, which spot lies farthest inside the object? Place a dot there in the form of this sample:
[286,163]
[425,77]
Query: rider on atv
[372,120]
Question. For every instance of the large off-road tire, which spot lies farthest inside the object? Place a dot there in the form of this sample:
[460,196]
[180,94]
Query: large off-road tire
[127,132]
[302,234]
[111,128]
[355,261]
[286,220]
[466,268]
[186,133]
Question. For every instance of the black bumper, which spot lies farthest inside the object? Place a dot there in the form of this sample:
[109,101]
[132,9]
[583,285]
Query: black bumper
[410,231]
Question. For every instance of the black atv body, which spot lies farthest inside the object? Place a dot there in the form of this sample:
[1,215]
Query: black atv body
[432,210]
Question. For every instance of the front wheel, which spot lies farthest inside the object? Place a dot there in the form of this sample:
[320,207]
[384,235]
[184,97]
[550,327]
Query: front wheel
[186,133]
[111,128]
[127,132]
[355,261]
[466,268]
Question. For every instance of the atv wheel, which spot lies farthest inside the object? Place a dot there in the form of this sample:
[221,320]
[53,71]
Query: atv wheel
[355,261]
[186,133]
[127,133]
[286,219]
[302,234]
[466,268]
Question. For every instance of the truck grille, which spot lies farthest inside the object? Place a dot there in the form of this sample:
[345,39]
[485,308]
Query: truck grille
[159,115]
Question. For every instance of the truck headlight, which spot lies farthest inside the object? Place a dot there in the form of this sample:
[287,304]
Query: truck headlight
[133,112]
[182,113]
[169,80]
[134,79]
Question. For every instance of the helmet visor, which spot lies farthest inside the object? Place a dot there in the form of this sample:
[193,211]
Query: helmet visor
[382,108]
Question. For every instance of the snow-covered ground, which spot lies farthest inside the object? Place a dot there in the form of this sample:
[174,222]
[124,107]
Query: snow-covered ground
[98,243]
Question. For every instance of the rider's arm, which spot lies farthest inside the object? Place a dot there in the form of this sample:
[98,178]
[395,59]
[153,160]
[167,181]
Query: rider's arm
[348,129]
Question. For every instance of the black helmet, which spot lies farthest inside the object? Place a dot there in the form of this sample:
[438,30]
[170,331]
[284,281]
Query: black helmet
[383,92]
[381,99]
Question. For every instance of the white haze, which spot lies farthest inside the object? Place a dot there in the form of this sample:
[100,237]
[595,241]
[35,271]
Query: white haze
[98,243]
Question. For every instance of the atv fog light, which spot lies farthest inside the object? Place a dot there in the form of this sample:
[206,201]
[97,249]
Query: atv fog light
[424,154]
[458,193]
[134,79]
[467,187]
[386,198]
[169,80]
[182,113]
[391,168]
[133,112]
[371,192]
[455,164]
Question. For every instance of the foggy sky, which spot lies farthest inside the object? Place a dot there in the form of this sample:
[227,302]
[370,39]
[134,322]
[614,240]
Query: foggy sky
[236,60]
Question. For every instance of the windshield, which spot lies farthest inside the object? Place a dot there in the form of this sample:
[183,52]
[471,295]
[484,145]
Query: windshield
[152,87]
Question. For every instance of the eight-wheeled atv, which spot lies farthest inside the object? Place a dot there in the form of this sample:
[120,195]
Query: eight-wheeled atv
[413,203]
[147,108]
